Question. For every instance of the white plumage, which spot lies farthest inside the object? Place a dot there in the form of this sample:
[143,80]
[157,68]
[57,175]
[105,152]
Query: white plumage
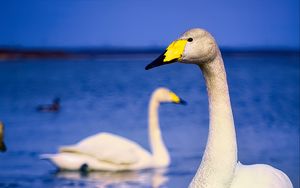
[103,151]
[259,175]
[110,152]
[219,167]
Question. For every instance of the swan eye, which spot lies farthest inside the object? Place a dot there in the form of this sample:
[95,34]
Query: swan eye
[190,39]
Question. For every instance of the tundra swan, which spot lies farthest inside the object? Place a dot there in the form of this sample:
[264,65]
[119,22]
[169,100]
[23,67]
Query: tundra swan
[110,152]
[219,167]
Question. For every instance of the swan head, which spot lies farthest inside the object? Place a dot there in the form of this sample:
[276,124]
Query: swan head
[164,95]
[195,46]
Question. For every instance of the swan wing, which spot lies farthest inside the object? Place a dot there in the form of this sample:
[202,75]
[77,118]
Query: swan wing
[107,147]
[259,176]
[71,161]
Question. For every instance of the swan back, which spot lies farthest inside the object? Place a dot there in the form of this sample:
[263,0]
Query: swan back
[108,147]
[259,176]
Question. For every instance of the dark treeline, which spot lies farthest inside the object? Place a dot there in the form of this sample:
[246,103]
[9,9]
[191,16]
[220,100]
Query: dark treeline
[37,53]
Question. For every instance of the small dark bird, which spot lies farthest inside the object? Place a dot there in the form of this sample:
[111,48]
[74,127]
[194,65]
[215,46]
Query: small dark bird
[54,107]
[2,145]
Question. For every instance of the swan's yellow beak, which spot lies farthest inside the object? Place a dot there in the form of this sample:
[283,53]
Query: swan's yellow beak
[176,99]
[172,54]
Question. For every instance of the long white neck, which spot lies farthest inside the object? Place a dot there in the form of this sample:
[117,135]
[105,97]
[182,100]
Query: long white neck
[159,151]
[220,156]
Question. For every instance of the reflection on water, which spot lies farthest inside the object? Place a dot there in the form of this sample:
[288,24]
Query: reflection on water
[146,178]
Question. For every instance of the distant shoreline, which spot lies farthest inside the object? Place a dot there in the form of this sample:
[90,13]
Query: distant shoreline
[25,53]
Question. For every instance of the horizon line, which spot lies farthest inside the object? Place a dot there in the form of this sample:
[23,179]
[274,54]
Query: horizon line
[81,53]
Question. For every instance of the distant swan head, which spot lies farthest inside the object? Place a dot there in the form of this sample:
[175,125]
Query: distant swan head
[162,95]
[195,46]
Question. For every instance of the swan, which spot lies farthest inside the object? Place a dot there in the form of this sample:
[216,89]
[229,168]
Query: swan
[110,152]
[219,167]
[2,144]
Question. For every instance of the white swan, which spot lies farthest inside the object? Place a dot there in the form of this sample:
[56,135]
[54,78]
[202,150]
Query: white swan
[219,167]
[106,151]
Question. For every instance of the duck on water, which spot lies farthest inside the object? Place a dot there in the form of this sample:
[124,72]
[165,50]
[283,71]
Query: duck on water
[54,107]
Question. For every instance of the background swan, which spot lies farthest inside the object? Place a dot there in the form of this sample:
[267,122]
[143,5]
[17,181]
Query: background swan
[219,167]
[106,151]
[2,144]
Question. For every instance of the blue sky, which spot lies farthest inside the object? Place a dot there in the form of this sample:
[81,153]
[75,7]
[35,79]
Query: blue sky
[148,23]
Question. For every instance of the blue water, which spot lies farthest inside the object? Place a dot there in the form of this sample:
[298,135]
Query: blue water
[112,95]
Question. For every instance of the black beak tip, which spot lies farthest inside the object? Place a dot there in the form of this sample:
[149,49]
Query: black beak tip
[148,67]
[157,62]
[183,102]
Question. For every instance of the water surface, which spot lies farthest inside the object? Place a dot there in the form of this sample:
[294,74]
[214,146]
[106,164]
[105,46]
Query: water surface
[112,95]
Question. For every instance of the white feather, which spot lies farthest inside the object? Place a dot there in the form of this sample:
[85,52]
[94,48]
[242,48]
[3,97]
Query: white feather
[219,167]
[108,147]
[106,151]
[259,175]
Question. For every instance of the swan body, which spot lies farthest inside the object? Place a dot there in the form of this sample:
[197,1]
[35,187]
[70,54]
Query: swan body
[103,151]
[110,152]
[219,167]
[262,175]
